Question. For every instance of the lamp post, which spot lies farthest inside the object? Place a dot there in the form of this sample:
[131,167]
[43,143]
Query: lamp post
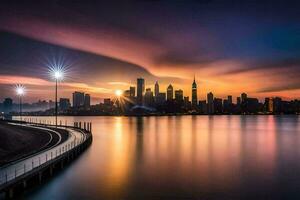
[20,90]
[58,75]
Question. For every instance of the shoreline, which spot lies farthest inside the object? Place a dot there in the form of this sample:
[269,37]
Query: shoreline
[150,115]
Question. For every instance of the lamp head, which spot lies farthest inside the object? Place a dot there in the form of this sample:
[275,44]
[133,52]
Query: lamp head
[20,90]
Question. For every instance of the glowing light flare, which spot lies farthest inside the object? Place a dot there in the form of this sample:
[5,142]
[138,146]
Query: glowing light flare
[58,75]
[20,90]
[57,72]
[118,93]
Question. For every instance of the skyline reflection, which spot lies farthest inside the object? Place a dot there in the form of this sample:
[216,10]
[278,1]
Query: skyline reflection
[185,156]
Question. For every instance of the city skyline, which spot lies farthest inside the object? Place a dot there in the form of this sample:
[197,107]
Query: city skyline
[230,48]
[141,100]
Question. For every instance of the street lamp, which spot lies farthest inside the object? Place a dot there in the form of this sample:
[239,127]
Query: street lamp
[58,75]
[20,90]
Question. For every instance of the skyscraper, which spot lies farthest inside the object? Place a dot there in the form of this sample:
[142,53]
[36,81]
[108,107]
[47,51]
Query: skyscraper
[170,93]
[160,98]
[87,101]
[140,90]
[229,98]
[7,105]
[64,103]
[179,96]
[156,89]
[194,94]
[210,103]
[132,91]
[78,99]
[238,101]
[148,98]
[243,97]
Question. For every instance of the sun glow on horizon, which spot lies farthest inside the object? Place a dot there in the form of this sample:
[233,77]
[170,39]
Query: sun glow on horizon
[118,93]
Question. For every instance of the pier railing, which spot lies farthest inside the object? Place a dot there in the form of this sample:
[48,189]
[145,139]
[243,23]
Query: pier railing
[79,135]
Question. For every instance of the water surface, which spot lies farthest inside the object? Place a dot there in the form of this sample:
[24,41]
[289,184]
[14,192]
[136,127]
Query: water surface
[183,157]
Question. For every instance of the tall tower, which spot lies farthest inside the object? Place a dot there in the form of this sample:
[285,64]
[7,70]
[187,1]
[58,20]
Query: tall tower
[156,89]
[210,103]
[170,93]
[140,91]
[194,94]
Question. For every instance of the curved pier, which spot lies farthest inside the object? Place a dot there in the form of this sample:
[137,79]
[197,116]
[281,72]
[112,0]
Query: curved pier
[15,175]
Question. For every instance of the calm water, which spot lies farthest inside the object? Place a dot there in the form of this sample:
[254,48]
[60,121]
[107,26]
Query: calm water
[184,157]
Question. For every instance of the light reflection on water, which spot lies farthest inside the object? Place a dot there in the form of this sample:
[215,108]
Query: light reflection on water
[214,157]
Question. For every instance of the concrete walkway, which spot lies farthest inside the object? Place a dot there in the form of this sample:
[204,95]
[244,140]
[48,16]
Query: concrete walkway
[16,143]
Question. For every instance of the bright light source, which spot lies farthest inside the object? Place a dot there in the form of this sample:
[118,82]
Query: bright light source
[118,93]
[20,90]
[58,74]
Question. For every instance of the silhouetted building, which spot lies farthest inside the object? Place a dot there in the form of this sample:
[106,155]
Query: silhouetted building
[218,108]
[140,90]
[87,100]
[203,107]
[194,94]
[156,88]
[179,96]
[161,98]
[251,105]
[148,98]
[238,101]
[229,98]
[268,105]
[126,93]
[107,101]
[187,104]
[170,93]
[226,106]
[243,97]
[64,103]
[277,105]
[7,105]
[210,103]
[78,99]
[132,91]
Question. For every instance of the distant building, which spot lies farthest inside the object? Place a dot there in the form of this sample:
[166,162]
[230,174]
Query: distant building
[64,103]
[87,100]
[51,104]
[243,97]
[132,91]
[107,102]
[78,99]
[251,105]
[140,90]
[267,105]
[194,94]
[238,101]
[148,98]
[187,103]
[229,98]
[179,96]
[156,89]
[126,93]
[210,103]
[226,106]
[170,93]
[218,106]
[7,105]
[277,109]
[160,98]
[203,107]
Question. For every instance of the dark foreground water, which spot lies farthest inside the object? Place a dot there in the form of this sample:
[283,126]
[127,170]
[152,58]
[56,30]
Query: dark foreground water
[183,157]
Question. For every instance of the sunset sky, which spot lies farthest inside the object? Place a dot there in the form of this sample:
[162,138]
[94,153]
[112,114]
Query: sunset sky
[230,47]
